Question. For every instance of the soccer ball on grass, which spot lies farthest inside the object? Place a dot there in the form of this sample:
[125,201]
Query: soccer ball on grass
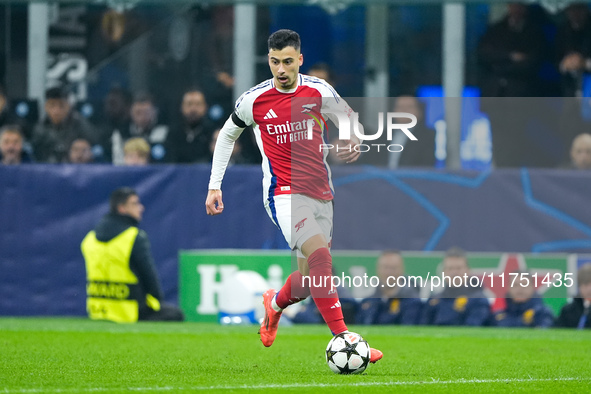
[347,353]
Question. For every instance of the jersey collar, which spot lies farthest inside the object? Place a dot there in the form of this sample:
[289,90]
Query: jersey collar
[300,80]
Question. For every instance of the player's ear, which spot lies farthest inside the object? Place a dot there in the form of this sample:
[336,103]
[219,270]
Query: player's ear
[301,59]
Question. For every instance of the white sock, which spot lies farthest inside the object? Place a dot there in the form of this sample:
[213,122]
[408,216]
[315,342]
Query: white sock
[274,304]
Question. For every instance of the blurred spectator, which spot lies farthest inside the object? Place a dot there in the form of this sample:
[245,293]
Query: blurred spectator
[420,153]
[3,106]
[580,152]
[236,157]
[117,256]
[576,313]
[9,114]
[459,304]
[6,116]
[189,141]
[62,125]
[391,304]
[218,85]
[221,55]
[116,126]
[511,53]
[524,307]
[573,48]
[226,79]
[80,152]
[144,123]
[322,71]
[573,60]
[11,146]
[136,152]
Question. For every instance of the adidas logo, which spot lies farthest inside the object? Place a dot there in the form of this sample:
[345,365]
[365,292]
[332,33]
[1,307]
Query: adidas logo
[271,114]
[336,305]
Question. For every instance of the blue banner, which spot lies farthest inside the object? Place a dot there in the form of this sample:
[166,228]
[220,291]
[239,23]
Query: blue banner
[46,210]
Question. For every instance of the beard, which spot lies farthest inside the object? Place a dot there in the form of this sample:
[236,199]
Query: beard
[193,119]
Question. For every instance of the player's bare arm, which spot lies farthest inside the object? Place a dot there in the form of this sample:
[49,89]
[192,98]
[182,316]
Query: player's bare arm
[348,153]
[213,203]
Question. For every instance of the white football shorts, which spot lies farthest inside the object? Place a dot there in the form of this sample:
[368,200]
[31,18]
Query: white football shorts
[300,217]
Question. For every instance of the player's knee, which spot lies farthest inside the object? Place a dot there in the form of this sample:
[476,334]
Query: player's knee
[313,244]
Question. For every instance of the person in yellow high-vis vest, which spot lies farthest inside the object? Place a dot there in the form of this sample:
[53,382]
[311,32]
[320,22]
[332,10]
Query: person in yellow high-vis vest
[121,280]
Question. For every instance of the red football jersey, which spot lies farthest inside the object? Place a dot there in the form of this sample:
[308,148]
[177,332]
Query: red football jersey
[292,163]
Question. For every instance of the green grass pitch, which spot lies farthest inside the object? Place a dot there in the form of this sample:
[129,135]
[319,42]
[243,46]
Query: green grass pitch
[81,356]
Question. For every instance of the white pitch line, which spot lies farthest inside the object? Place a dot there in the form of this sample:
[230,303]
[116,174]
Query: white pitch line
[292,385]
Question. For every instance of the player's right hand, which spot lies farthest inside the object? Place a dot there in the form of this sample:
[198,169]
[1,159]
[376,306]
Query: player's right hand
[213,203]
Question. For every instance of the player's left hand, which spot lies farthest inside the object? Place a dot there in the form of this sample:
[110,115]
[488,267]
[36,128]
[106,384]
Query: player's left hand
[348,150]
[213,203]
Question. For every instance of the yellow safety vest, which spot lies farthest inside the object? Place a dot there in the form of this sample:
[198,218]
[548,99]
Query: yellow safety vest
[109,280]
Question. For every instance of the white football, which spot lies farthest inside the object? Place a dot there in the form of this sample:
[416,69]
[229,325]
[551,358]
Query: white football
[347,353]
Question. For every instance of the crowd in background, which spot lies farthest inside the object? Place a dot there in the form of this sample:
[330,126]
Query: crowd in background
[526,55]
[517,57]
[457,305]
[128,133]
